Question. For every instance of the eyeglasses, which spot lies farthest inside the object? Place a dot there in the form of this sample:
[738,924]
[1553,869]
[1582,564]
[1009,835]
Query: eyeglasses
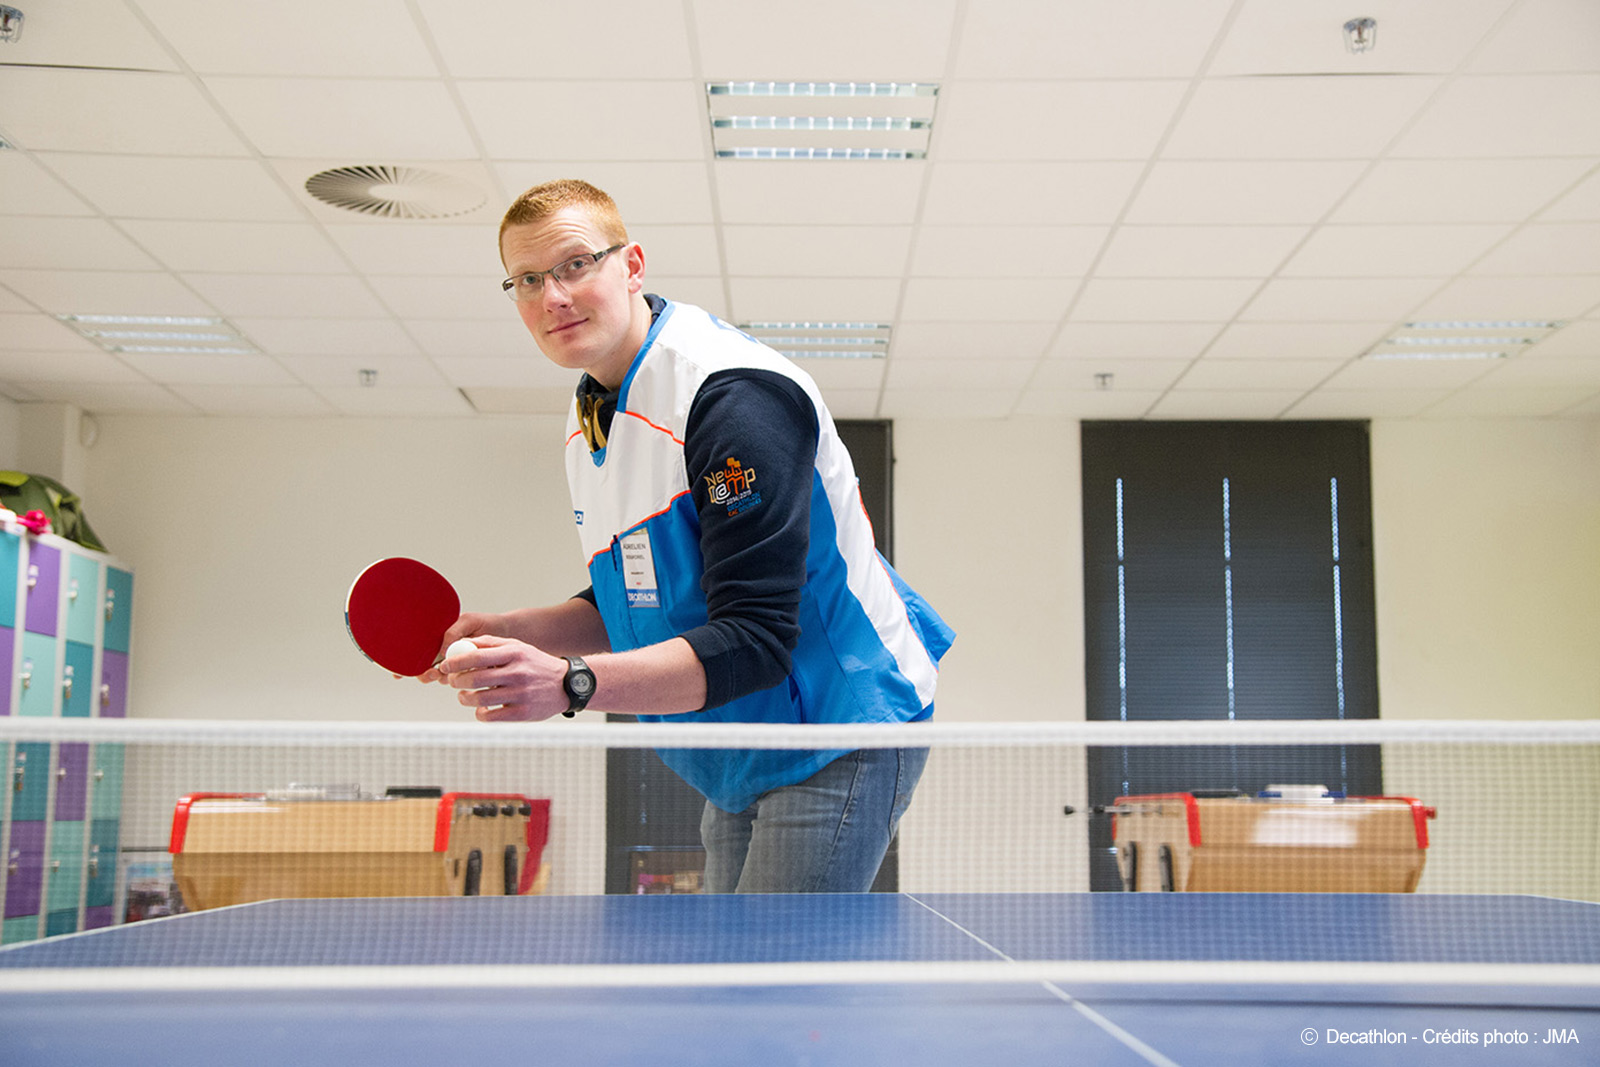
[530,284]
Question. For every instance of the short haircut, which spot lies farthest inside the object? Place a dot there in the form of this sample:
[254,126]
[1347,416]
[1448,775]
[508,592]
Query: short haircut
[547,198]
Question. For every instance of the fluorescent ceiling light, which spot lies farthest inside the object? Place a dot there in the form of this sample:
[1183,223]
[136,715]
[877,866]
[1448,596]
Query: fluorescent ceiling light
[823,340]
[873,89]
[818,122]
[1463,339]
[180,334]
[821,153]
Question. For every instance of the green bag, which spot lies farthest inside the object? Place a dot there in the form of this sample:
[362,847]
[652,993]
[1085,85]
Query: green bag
[23,493]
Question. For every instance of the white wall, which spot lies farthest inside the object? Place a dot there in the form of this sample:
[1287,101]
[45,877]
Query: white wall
[246,533]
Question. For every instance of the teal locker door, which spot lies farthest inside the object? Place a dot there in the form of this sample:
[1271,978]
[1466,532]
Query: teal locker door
[106,778]
[10,560]
[30,780]
[119,608]
[83,598]
[77,681]
[38,674]
[64,873]
[100,886]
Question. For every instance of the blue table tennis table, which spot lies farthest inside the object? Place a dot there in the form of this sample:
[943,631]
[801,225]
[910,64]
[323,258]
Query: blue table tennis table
[872,979]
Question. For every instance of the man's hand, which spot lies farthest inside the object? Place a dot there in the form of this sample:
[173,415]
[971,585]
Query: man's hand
[506,680]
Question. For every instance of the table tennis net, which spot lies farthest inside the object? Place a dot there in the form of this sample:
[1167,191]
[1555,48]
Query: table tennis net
[174,815]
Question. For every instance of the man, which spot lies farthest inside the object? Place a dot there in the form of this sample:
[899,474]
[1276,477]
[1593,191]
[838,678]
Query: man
[732,566]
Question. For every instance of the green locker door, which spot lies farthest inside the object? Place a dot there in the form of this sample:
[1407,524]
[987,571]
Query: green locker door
[101,884]
[77,681]
[119,608]
[38,673]
[83,598]
[64,872]
[30,780]
[105,778]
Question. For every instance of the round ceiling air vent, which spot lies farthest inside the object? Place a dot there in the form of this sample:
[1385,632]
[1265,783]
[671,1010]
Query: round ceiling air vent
[395,192]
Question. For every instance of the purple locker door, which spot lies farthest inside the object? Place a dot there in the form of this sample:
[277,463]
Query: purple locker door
[8,648]
[25,868]
[44,588]
[72,781]
[113,685]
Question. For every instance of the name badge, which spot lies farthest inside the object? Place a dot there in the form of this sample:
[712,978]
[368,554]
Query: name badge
[639,571]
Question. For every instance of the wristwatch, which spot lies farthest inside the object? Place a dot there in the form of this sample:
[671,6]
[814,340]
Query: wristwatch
[579,684]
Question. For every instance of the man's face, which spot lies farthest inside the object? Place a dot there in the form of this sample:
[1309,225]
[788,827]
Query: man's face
[594,325]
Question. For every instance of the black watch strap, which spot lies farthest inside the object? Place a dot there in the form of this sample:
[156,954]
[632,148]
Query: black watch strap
[579,684]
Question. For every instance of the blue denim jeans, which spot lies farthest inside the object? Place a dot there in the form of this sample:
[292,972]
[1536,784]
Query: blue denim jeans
[827,834]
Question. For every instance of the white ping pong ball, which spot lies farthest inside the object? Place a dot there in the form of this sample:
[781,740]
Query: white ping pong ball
[460,647]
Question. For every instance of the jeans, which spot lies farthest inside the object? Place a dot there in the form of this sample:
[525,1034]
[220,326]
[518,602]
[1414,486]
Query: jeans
[827,834]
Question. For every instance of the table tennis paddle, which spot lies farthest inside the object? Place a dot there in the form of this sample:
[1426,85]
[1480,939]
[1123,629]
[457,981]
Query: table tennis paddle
[397,612]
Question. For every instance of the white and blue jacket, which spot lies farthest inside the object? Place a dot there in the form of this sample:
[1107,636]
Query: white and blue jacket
[724,509]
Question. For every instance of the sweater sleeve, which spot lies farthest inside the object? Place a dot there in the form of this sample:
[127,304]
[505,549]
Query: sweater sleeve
[750,447]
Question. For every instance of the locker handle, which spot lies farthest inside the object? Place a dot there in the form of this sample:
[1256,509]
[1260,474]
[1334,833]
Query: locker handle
[72,589]
[111,602]
[27,673]
[61,774]
[33,576]
[105,695]
[55,865]
[94,861]
[99,774]
[66,683]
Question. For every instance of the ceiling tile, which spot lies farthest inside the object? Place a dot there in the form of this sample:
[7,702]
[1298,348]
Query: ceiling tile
[1089,38]
[852,403]
[294,37]
[1580,375]
[817,251]
[853,375]
[1509,115]
[1248,374]
[1198,251]
[345,371]
[975,374]
[948,403]
[1006,251]
[31,190]
[327,337]
[1383,300]
[1576,339]
[1391,251]
[1365,403]
[1023,194]
[115,398]
[1295,118]
[62,243]
[1053,120]
[519,401]
[1084,375]
[587,119]
[48,366]
[980,299]
[112,111]
[503,335]
[506,372]
[499,39]
[706,293]
[171,368]
[155,187]
[1088,404]
[1224,404]
[269,401]
[825,40]
[684,249]
[1254,192]
[1582,202]
[402,248]
[1295,340]
[31,331]
[418,296]
[287,295]
[1544,35]
[1162,300]
[361,121]
[814,299]
[63,292]
[1507,299]
[818,193]
[1133,340]
[1504,403]
[87,33]
[269,247]
[1270,37]
[399,401]
[971,340]
[1457,190]
[1566,248]
[1409,374]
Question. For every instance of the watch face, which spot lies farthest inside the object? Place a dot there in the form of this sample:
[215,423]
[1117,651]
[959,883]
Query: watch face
[581,682]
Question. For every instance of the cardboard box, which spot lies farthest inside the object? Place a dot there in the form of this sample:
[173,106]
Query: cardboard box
[1178,842]
[232,848]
